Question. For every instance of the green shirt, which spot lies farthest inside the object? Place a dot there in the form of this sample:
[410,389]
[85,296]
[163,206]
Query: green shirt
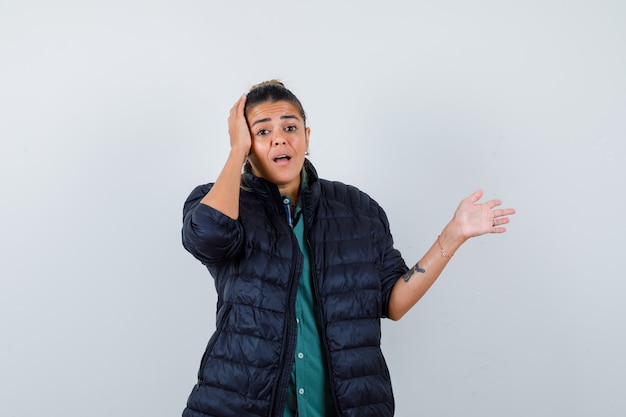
[309,388]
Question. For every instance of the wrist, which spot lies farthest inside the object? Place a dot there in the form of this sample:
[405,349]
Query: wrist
[240,153]
[450,239]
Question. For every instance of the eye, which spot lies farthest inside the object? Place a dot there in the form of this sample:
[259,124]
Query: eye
[262,132]
[290,129]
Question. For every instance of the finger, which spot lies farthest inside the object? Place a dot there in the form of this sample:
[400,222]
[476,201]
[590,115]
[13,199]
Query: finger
[494,203]
[242,104]
[503,212]
[238,106]
[508,211]
[475,196]
[501,221]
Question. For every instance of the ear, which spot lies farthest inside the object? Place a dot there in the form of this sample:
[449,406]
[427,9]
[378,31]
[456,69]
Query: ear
[307,135]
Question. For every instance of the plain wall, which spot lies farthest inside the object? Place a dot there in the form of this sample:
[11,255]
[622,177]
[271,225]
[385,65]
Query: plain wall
[112,111]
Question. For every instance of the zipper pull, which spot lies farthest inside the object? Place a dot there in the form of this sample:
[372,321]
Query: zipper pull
[287,203]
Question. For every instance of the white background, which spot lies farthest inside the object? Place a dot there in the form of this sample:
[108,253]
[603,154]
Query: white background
[112,111]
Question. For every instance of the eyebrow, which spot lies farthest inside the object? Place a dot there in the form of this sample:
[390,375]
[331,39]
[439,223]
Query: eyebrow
[267,119]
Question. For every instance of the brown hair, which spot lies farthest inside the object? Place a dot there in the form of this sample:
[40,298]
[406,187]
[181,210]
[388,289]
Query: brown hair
[272,91]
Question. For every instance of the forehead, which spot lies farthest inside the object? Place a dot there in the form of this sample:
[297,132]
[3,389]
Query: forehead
[272,111]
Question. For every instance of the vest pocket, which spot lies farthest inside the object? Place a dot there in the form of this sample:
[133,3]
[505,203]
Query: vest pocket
[222,317]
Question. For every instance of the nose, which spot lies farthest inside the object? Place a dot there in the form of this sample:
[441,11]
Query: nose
[279,141]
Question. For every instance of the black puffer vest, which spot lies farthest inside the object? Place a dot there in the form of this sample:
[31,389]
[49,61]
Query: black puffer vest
[256,262]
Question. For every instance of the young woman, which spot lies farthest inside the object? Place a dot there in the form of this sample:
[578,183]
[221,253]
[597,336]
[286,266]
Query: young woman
[304,269]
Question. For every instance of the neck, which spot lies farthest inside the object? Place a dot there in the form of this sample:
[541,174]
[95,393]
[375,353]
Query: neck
[291,190]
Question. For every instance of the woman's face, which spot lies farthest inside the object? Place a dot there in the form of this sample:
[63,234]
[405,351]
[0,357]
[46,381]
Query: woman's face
[279,143]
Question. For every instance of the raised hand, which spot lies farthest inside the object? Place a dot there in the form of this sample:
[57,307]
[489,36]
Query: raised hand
[475,219]
[238,130]
[224,195]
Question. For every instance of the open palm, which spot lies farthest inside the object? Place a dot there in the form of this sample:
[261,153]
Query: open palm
[475,219]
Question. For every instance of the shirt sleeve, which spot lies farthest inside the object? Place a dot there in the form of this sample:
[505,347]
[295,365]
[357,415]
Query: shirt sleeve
[209,235]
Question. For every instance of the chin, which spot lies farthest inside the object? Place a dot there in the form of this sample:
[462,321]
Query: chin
[279,176]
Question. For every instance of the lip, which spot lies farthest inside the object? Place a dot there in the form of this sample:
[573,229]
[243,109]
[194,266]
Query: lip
[282,159]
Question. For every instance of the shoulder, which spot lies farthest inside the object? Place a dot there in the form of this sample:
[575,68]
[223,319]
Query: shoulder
[336,193]
[336,190]
[202,190]
[195,196]
[344,210]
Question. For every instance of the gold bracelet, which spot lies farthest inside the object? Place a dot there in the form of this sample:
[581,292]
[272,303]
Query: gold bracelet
[443,251]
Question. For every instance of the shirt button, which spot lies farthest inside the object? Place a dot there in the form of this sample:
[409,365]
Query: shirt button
[300,355]
[297,320]
[301,391]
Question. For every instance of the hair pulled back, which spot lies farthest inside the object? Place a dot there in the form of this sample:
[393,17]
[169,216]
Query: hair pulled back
[271,92]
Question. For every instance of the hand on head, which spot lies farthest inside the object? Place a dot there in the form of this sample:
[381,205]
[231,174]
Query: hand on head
[238,127]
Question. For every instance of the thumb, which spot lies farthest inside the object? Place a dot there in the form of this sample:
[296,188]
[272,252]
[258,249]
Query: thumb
[476,195]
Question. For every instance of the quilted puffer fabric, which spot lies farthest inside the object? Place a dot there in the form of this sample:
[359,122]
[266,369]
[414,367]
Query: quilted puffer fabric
[255,262]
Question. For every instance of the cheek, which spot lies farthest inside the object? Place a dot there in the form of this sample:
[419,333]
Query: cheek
[257,147]
[257,150]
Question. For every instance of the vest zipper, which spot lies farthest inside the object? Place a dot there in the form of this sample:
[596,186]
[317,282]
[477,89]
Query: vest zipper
[289,334]
[321,310]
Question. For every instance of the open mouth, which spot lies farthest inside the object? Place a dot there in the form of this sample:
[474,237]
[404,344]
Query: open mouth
[282,158]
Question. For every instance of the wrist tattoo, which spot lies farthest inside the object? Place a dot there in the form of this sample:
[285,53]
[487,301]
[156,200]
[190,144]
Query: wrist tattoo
[408,274]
